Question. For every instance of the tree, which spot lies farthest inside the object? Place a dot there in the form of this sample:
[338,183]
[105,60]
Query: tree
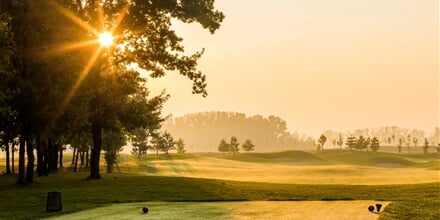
[340,141]
[374,144]
[426,146]
[408,142]
[223,146]
[361,143]
[399,147]
[139,140]
[233,145]
[415,141]
[351,142]
[163,142]
[321,141]
[180,146]
[248,146]
[143,35]
[112,141]
[154,46]
[168,142]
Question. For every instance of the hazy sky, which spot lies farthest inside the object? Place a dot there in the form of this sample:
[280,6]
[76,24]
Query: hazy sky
[318,64]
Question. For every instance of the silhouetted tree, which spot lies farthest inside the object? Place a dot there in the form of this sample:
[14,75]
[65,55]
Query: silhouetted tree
[426,146]
[340,141]
[180,146]
[233,145]
[415,141]
[248,146]
[408,142]
[112,141]
[164,142]
[361,143]
[374,144]
[139,140]
[321,141]
[399,147]
[351,142]
[223,146]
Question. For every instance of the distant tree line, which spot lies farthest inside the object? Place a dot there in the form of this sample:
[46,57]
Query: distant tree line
[362,143]
[389,136]
[201,131]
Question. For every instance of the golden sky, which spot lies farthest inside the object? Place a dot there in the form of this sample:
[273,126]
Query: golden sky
[318,64]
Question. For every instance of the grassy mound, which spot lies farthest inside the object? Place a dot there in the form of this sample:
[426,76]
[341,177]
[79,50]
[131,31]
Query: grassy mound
[286,157]
[373,159]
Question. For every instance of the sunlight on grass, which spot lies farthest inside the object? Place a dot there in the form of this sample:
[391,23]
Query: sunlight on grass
[233,210]
[337,168]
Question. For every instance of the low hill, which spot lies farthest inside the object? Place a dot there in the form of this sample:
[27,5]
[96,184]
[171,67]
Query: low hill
[329,167]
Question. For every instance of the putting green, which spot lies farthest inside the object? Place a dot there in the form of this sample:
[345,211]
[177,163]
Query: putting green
[232,210]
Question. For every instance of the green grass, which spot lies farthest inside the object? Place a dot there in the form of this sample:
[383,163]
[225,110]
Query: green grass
[230,210]
[28,202]
[142,180]
[287,157]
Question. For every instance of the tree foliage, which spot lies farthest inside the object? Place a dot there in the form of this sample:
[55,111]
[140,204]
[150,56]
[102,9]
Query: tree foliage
[248,146]
[233,145]
[321,141]
[139,140]
[351,142]
[163,142]
[180,146]
[223,146]
[112,141]
[52,67]
[374,144]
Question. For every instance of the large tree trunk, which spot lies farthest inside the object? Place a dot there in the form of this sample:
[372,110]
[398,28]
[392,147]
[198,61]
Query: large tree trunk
[76,161]
[30,162]
[54,164]
[87,158]
[61,156]
[73,155]
[39,156]
[13,157]
[50,156]
[45,155]
[21,167]
[8,168]
[81,158]
[96,151]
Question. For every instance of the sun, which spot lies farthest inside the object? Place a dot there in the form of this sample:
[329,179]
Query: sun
[105,39]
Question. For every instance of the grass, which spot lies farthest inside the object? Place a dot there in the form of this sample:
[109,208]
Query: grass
[231,210]
[134,184]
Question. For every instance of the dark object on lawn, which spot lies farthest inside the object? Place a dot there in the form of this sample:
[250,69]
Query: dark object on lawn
[53,203]
[145,209]
[371,208]
[378,206]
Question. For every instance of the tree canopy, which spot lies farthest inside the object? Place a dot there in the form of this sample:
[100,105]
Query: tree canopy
[58,75]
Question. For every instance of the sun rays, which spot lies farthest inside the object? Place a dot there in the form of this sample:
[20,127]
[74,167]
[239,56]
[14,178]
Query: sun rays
[101,35]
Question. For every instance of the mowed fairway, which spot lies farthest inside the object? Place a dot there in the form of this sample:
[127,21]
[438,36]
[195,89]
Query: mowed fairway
[318,210]
[295,167]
